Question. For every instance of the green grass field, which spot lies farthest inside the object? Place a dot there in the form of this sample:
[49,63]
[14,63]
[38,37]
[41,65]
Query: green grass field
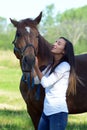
[13,113]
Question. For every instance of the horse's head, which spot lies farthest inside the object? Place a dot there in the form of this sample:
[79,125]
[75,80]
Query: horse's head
[26,41]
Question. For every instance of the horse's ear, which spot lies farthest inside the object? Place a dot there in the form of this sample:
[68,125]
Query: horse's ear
[14,22]
[38,18]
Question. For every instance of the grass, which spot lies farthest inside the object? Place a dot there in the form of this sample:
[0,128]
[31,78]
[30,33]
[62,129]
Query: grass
[13,113]
[77,122]
[15,120]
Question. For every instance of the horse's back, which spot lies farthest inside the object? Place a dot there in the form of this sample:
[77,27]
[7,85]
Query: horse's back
[81,65]
[78,103]
[82,58]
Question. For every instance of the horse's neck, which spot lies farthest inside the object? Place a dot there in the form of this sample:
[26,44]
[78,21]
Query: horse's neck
[42,62]
[44,54]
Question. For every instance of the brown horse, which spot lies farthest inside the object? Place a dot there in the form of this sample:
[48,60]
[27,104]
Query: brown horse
[28,43]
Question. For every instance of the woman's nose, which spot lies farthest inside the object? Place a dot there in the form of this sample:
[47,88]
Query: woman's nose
[55,44]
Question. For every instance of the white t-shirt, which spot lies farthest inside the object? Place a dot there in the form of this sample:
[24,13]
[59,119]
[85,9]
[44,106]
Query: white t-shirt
[55,85]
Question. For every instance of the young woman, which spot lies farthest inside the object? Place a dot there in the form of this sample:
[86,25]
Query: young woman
[58,79]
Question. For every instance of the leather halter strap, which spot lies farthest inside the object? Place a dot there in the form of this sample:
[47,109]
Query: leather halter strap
[21,51]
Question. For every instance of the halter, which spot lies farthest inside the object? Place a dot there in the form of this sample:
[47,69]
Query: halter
[32,85]
[21,51]
[24,79]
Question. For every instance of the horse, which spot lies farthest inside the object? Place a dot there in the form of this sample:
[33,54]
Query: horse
[29,43]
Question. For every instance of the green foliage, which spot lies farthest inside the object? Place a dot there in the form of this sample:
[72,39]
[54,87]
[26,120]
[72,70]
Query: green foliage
[3,24]
[5,41]
[7,33]
[81,47]
[77,14]
[48,16]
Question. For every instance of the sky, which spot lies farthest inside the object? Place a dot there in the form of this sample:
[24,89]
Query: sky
[20,9]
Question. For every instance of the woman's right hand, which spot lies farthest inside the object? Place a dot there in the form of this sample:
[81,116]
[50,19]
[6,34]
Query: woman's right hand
[36,63]
[37,70]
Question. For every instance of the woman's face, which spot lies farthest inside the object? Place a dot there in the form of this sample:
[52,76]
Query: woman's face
[58,46]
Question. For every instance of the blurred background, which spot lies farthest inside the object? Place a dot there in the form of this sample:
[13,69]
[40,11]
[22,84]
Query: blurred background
[60,18]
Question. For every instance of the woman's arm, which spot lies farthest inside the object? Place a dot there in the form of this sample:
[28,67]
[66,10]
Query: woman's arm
[55,76]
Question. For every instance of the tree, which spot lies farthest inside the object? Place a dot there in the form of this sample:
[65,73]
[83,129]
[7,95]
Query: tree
[3,24]
[71,24]
[73,30]
[47,24]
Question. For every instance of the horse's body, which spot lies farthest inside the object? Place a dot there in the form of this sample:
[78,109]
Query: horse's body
[76,103]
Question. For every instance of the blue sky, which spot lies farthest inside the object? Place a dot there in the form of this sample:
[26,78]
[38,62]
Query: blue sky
[21,9]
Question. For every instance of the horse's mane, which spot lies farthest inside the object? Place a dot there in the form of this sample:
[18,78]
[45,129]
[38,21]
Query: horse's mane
[44,49]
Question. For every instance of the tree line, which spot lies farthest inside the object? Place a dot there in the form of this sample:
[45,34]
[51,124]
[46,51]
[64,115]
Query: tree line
[71,24]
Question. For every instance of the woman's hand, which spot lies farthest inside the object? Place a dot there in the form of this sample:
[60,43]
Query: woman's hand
[37,70]
[36,63]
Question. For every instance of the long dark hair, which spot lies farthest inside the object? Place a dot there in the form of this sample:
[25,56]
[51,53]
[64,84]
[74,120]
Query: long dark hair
[70,58]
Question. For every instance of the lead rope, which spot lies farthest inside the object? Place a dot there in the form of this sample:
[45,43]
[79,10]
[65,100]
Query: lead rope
[31,85]
[30,82]
[37,94]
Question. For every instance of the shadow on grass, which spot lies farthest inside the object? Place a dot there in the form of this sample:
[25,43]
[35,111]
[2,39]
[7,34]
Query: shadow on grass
[15,120]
